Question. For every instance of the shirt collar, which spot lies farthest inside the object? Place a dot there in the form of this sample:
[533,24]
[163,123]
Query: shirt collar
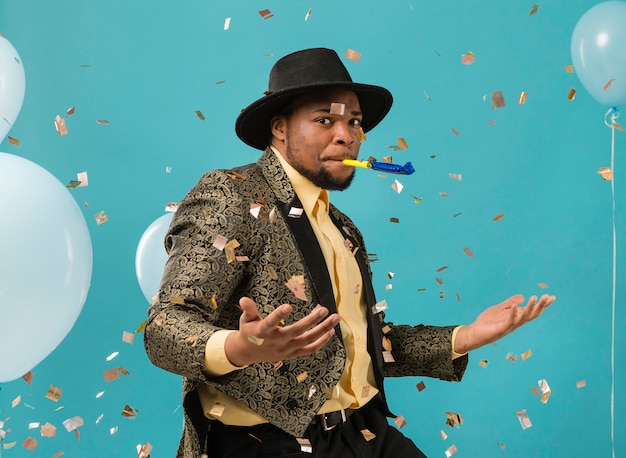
[304,188]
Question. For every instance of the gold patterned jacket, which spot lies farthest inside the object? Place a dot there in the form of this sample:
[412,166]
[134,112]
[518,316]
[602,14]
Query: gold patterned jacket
[203,282]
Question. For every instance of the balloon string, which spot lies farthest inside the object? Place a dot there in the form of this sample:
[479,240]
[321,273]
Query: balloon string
[614,115]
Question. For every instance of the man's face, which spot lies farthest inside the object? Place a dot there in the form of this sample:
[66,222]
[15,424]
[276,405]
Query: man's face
[314,138]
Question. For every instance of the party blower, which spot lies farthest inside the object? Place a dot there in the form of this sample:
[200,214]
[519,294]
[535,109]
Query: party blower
[406,169]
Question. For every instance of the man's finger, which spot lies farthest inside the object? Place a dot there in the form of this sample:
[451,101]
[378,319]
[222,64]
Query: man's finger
[250,310]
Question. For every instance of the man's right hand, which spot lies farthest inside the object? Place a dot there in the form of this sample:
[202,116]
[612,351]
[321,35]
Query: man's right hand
[266,340]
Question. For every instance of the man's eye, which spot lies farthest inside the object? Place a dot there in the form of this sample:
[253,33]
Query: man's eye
[356,122]
[324,120]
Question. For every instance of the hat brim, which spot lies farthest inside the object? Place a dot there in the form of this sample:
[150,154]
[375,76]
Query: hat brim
[253,123]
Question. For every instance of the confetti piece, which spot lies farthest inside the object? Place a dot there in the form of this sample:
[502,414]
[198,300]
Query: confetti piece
[451,451]
[295,212]
[102,121]
[220,82]
[255,340]
[454,419]
[141,327]
[618,126]
[606,172]
[581,384]
[400,421]
[9,445]
[437,52]
[306,18]
[59,123]
[456,176]
[101,217]
[545,390]
[571,94]
[48,430]
[497,100]
[367,434]
[128,337]
[217,409]
[305,445]
[501,445]
[468,59]
[388,357]
[569,69]
[524,419]
[455,132]
[229,250]
[397,186]
[28,378]
[129,412]
[542,285]
[402,144]
[352,55]
[226,27]
[388,287]
[220,242]
[301,377]
[498,217]
[379,307]
[33,425]
[458,297]
[457,214]
[16,402]
[112,355]
[312,391]
[337,108]
[439,280]
[98,396]
[71,424]
[511,357]
[427,96]
[468,252]
[266,14]
[113,430]
[394,220]
[533,9]
[13,141]
[608,84]
[70,111]
[30,443]
[421,386]
[143,451]
[483,363]
[73,184]
[443,435]
[54,393]
[111,374]
[296,285]
[522,98]
[200,115]
[491,123]
[527,354]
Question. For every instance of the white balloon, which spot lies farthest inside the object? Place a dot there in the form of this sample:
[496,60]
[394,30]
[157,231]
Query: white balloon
[151,256]
[12,86]
[45,264]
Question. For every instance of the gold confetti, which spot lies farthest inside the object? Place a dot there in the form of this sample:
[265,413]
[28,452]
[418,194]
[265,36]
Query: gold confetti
[217,409]
[522,98]
[571,94]
[455,132]
[102,121]
[497,100]
[73,184]
[306,18]
[386,329]
[352,55]
[608,84]
[393,219]
[48,430]
[545,390]
[511,357]
[542,285]
[9,445]
[379,307]
[101,217]
[527,354]
[337,108]
[266,14]
[70,111]
[421,386]
[618,126]
[302,377]
[256,340]
[13,141]
[367,434]
[498,217]
[443,435]
[483,363]
[141,327]
[229,250]
[400,421]
[468,252]
[200,115]
[59,123]
[28,377]
[365,391]
[297,287]
[606,172]
[581,384]
[402,144]
[569,69]
[454,419]
[386,344]
[54,393]
[451,451]
[30,443]
[174,300]
[468,59]
[524,419]
[439,280]
[533,9]
[129,411]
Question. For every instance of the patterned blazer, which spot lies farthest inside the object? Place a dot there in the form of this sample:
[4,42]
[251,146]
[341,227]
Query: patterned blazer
[204,280]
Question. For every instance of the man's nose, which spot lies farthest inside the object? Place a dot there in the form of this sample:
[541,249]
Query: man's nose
[344,133]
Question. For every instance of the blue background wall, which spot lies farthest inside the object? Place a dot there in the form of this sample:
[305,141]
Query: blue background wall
[146,66]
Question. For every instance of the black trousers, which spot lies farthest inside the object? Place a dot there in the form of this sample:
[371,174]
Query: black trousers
[344,441]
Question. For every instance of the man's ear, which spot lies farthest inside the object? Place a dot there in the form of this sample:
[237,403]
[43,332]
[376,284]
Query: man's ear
[278,127]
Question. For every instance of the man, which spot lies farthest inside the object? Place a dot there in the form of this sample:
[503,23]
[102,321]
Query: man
[266,306]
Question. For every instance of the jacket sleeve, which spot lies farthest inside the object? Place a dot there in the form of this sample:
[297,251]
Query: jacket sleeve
[197,295]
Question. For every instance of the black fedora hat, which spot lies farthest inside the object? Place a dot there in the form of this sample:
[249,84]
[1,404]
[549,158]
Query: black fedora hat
[301,72]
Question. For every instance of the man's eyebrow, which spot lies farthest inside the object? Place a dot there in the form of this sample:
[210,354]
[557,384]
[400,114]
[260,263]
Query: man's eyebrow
[327,110]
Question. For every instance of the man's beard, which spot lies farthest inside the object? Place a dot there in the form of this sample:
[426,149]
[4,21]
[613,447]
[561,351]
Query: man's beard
[320,178]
